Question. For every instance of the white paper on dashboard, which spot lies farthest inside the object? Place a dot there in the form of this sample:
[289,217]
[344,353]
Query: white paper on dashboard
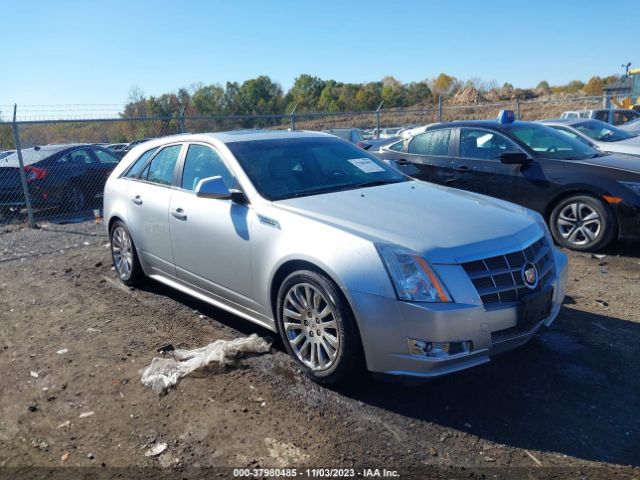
[366,165]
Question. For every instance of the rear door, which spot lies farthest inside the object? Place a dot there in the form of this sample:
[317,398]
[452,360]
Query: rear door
[428,156]
[149,196]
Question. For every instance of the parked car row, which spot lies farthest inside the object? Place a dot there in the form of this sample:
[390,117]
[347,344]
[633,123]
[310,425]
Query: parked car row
[121,149]
[67,177]
[587,196]
[613,116]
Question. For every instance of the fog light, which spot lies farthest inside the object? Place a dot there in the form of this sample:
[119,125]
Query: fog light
[425,348]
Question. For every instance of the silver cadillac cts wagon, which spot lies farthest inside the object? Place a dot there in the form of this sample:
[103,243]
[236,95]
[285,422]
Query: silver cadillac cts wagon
[353,264]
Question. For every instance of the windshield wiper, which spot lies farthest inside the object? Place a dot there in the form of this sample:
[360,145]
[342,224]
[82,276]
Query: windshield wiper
[338,188]
[376,183]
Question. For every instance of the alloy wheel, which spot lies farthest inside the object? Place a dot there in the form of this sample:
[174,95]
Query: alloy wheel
[579,223]
[310,326]
[122,250]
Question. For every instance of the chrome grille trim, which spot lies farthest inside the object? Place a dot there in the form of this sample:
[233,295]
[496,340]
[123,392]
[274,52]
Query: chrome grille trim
[497,279]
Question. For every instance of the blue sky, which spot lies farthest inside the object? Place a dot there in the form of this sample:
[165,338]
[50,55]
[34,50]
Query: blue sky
[93,52]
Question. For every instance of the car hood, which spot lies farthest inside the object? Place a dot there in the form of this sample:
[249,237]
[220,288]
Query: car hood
[443,224]
[620,161]
[630,145]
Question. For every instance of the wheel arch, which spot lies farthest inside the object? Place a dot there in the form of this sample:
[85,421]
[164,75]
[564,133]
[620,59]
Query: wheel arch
[570,192]
[295,264]
[575,191]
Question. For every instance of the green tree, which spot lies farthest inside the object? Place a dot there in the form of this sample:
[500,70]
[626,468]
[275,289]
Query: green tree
[393,92]
[209,100]
[418,92]
[306,91]
[260,96]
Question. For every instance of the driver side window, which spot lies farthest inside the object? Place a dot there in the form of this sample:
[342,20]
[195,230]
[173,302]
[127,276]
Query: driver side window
[203,162]
[484,144]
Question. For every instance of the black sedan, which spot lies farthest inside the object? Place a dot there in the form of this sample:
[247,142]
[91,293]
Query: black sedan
[588,197]
[68,177]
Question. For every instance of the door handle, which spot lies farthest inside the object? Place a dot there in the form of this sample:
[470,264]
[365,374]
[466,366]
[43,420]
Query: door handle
[402,161]
[462,169]
[137,200]
[179,214]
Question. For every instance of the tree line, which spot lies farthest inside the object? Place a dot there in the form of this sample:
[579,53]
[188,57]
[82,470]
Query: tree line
[263,96]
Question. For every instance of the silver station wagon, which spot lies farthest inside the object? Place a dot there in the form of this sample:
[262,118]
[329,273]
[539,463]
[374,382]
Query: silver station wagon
[353,264]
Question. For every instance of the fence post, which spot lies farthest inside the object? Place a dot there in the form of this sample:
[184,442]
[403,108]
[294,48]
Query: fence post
[605,101]
[517,109]
[293,118]
[378,120]
[181,119]
[439,108]
[23,176]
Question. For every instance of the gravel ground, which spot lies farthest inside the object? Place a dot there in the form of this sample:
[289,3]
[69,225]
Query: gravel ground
[563,406]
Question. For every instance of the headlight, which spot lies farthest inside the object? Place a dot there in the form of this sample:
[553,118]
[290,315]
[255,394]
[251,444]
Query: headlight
[633,186]
[414,280]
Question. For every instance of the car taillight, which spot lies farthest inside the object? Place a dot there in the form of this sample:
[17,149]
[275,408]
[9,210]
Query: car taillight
[34,173]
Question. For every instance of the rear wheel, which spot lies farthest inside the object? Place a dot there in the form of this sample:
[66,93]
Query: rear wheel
[123,252]
[317,327]
[583,222]
[73,199]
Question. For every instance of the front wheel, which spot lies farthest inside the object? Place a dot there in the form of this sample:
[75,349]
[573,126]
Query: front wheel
[583,222]
[318,328]
[123,252]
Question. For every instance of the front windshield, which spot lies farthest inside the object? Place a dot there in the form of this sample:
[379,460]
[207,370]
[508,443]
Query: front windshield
[549,143]
[601,131]
[296,167]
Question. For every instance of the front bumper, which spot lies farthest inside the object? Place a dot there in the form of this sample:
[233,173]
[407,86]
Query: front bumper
[628,221]
[387,324]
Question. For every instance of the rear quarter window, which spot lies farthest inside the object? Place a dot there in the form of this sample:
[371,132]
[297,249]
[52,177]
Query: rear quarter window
[134,170]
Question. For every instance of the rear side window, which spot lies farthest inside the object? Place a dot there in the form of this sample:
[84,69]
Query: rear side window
[135,169]
[163,165]
[434,143]
[76,157]
[397,147]
[203,162]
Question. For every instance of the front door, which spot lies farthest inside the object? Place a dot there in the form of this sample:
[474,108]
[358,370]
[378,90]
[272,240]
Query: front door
[478,168]
[210,237]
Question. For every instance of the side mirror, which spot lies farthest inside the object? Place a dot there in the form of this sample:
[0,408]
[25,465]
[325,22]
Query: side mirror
[514,158]
[212,187]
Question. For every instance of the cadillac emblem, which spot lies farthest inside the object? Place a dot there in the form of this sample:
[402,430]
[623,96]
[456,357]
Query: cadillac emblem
[530,275]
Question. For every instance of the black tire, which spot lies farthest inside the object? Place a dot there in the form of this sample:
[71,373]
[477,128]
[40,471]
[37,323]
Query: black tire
[583,223]
[73,200]
[349,358]
[121,244]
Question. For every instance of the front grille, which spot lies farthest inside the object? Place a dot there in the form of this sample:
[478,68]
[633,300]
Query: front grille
[499,280]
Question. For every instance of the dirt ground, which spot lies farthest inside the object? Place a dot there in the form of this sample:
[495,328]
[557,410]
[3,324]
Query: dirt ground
[73,339]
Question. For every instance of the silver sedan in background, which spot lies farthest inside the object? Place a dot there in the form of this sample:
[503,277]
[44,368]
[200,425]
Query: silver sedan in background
[600,135]
[354,264]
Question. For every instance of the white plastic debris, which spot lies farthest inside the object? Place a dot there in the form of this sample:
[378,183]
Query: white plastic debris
[165,372]
[156,450]
[34,374]
[86,414]
[62,351]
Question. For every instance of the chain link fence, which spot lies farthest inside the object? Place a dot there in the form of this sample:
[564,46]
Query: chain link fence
[53,170]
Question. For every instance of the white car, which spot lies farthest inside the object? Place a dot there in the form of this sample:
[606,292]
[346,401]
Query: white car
[600,135]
